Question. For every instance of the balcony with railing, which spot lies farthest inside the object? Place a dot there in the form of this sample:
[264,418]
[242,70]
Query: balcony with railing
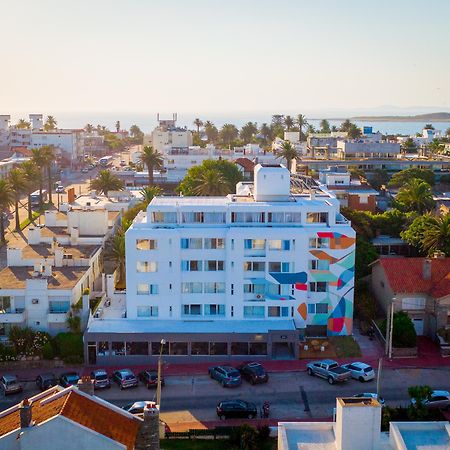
[12,315]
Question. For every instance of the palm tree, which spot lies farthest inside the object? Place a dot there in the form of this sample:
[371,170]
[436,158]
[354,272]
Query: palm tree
[50,124]
[18,183]
[23,124]
[48,155]
[302,123]
[229,133]
[198,123]
[89,128]
[287,152]
[416,195]
[149,192]
[31,172]
[437,236]
[248,131]
[38,158]
[211,183]
[345,126]
[212,133]
[118,126]
[6,200]
[288,122]
[152,159]
[325,126]
[106,181]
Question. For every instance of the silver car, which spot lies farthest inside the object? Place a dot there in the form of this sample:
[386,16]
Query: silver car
[10,384]
[360,371]
[437,400]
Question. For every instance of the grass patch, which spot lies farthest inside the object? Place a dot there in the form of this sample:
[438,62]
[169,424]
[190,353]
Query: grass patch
[345,346]
[26,222]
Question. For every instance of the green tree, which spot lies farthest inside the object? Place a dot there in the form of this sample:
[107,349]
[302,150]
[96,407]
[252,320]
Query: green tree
[416,195]
[31,173]
[228,171]
[436,237]
[39,159]
[198,123]
[248,131]
[228,134]
[149,192]
[406,175]
[409,146]
[48,155]
[354,132]
[106,181]
[18,184]
[391,222]
[417,409]
[211,131]
[50,124]
[289,122]
[310,129]
[210,182]
[415,232]
[136,134]
[266,133]
[89,128]
[302,124]
[436,146]
[118,251]
[6,200]
[379,178]
[277,119]
[346,125]
[152,159]
[365,254]
[325,126]
[117,125]
[23,124]
[403,333]
[287,152]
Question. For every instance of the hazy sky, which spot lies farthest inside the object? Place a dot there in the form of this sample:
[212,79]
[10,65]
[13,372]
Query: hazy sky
[223,55]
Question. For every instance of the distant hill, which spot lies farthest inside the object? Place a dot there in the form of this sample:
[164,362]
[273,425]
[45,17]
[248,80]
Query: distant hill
[432,117]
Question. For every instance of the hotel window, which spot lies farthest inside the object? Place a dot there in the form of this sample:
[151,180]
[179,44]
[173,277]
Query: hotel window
[278,311]
[191,288]
[319,264]
[164,217]
[213,265]
[214,243]
[58,307]
[254,311]
[318,308]
[191,243]
[254,244]
[278,244]
[191,266]
[319,243]
[250,288]
[214,288]
[103,348]
[277,217]
[280,267]
[147,311]
[214,217]
[147,289]
[318,286]
[192,217]
[118,349]
[192,310]
[254,266]
[146,266]
[214,310]
[146,244]
[317,217]
[247,217]
[292,217]
[137,348]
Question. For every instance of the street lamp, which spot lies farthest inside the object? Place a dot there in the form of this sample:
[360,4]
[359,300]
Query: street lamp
[158,388]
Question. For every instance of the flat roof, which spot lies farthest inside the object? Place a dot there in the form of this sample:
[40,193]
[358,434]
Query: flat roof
[188,326]
[45,251]
[423,435]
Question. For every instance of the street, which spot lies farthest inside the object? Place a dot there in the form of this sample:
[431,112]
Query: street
[187,400]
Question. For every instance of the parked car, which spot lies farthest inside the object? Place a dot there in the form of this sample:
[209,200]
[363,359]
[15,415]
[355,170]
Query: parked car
[328,369]
[253,372]
[10,384]
[236,408]
[85,170]
[100,378]
[59,189]
[360,371]
[227,376]
[371,395]
[125,378]
[69,379]
[437,399]
[150,378]
[137,409]
[46,381]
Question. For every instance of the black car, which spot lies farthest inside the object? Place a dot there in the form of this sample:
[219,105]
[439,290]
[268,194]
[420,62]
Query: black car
[236,408]
[46,381]
[253,372]
[150,378]
[69,379]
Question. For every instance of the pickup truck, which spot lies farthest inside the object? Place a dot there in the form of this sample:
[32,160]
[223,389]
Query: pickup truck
[328,369]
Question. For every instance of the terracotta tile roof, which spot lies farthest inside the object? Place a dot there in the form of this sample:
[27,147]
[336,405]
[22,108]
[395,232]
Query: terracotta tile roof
[247,165]
[80,409]
[405,275]
[25,151]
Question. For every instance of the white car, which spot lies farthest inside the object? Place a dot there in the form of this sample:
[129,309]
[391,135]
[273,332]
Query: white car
[360,371]
[370,395]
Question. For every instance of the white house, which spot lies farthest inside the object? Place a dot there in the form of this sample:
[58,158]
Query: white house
[361,148]
[237,275]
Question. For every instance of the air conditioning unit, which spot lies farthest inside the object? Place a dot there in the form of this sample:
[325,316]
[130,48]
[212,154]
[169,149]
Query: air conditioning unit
[35,301]
[259,296]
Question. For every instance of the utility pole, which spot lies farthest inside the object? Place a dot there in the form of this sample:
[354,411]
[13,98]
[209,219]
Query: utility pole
[388,327]
[158,387]
[391,327]
[380,364]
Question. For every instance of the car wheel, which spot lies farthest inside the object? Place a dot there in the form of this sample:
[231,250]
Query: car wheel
[252,381]
[222,417]
[361,379]
[331,380]
[251,416]
[310,373]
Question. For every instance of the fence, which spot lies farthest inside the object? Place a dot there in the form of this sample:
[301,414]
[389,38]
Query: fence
[217,432]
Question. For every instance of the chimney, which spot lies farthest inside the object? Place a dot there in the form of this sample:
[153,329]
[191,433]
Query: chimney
[427,269]
[25,414]
[86,385]
[148,434]
[74,235]
[47,269]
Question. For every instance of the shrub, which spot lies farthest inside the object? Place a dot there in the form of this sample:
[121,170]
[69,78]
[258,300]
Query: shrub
[69,345]
[7,353]
[404,334]
[47,351]
[73,359]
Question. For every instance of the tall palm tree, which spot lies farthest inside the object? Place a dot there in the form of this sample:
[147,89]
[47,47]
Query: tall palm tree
[229,133]
[50,124]
[106,181]
[149,192]
[416,195]
[437,236]
[89,128]
[118,254]
[152,159]
[31,173]
[18,183]
[198,123]
[118,126]
[345,126]
[287,152]
[288,122]
[302,123]
[23,124]
[48,155]
[210,182]
[39,159]
[6,200]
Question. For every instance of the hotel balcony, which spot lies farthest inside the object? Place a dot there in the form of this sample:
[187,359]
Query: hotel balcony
[12,315]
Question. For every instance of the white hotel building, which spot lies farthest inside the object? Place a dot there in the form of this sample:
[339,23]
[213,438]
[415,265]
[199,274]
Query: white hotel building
[246,274]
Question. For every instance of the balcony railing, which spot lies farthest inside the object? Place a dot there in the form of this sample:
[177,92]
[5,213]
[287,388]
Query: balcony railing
[11,315]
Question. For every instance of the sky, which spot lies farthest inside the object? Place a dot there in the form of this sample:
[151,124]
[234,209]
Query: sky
[216,56]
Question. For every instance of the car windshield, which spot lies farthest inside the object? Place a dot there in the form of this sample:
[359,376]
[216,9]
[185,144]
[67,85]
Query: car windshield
[72,378]
[11,383]
[368,369]
[102,376]
[258,370]
[333,366]
[129,377]
[233,373]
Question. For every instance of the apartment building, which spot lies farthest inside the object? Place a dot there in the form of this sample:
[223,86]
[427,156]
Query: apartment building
[245,274]
[367,149]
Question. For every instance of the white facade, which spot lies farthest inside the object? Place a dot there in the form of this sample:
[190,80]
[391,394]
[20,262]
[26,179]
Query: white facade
[265,255]
[68,142]
[367,149]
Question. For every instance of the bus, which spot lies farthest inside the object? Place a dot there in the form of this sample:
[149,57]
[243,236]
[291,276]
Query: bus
[105,161]
[36,197]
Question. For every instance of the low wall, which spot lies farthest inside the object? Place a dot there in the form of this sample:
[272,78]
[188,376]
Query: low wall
[42,364]
[404,352]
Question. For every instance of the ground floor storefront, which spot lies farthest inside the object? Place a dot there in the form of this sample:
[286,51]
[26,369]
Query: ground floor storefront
[134,342]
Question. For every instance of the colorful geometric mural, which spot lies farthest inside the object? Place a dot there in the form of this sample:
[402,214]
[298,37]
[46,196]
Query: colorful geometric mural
[298,279]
